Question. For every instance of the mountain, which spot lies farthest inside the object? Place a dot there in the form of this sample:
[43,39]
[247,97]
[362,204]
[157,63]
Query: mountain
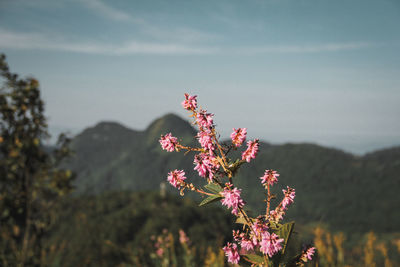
[346,192]
[110,156]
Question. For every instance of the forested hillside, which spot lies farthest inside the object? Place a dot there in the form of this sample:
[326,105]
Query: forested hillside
[344,191]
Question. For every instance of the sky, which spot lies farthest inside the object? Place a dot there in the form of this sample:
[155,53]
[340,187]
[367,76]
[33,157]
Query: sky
[316,71]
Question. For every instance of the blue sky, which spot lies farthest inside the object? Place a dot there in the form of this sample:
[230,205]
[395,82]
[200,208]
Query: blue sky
[289,70]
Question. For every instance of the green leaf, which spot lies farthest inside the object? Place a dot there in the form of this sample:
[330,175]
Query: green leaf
[240,220]
[253,258]
[210,199]
[284,232]
[213,187]
[234,167]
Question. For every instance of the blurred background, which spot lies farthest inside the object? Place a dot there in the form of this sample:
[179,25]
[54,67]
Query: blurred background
[316,81]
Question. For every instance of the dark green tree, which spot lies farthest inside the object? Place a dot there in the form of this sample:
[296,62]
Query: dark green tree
[30,180]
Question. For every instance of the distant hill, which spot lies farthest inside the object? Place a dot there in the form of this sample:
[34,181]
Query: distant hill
[347,192]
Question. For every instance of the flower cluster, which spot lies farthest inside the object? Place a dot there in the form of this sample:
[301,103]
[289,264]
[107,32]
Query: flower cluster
[259,236]
[176,178]
[204,119]
[168,142]
[289,197]
[270,177]
[307,254]
[231,253]
[232,198]
[162,243]
[206,165]
[277,214]
[251,151]
[270,243]
[183,238]
[246,243]
[205,140]
[190,102]
[238,136]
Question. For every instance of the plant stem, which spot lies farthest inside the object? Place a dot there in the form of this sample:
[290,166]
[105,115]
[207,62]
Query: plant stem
[268,199]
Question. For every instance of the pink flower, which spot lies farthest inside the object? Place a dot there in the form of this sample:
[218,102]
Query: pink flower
[246,244]
[277,214]
[205,140]
[206,165]
[168,142]
[204,119]
[160,252]
[251,151]
[238,136]
[232,199]
[183,239]
[190,102]
[232,253]
[257,229]
[270,177]
[176,178]
[307,254]
[289,197]
[270,243]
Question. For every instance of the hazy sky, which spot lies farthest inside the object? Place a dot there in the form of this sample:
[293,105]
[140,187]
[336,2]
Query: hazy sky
[289,70]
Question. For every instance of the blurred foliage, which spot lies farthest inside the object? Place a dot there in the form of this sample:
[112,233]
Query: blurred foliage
[30,182]
[129,228]
[119,229]
[370,250]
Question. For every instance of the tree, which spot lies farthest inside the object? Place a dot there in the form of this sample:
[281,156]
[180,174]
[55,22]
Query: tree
[31,181]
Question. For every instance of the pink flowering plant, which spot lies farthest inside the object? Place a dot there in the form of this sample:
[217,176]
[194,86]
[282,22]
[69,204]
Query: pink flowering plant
[165,251]
[262,240]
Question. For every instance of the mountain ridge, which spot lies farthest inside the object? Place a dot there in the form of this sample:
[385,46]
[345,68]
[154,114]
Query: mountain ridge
[331,185]
[179,118]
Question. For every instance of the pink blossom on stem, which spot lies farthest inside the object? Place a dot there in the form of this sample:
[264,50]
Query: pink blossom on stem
[190,102]
[232,253]
[277,214]
[289,197]
[205,140]
[257,229]
[183,239]
[238,136]
[259,226]
[247,244]
[244,241]
[160,252]
[270,243]
[232,199]
[251,151]
[307,254]
[206,165]
[269,178]
[168,142]
[237,235]
[204,119]
[176,178]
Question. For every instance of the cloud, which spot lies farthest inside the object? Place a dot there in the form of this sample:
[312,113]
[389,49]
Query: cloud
[107,11]
[312,48]
[184,34]
[38,41]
